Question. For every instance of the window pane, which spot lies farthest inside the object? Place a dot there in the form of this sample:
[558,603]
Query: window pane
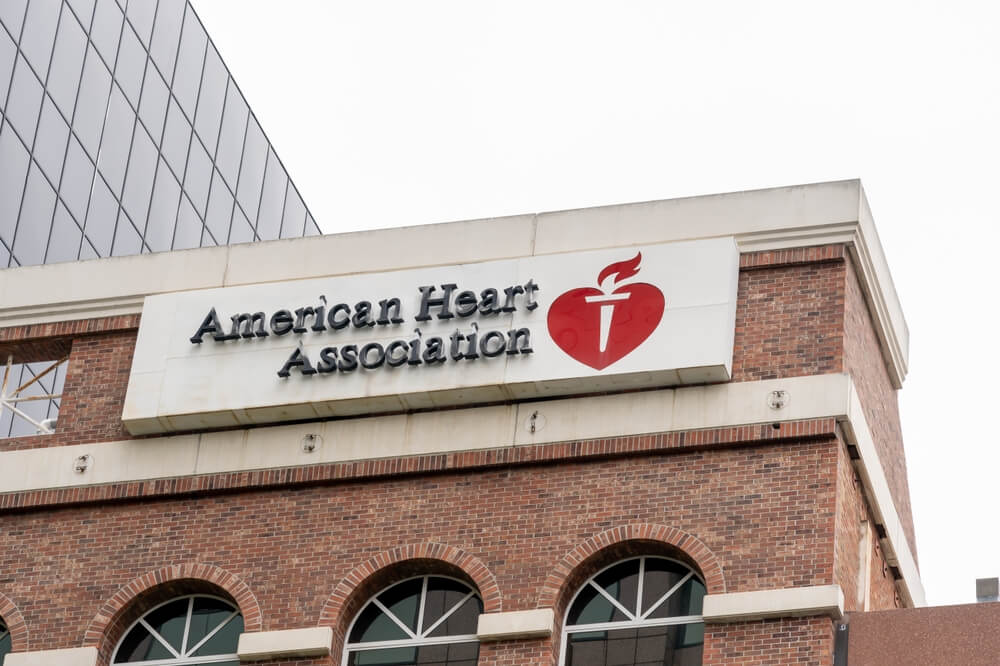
[175,139]
[116,140]
[107,29]
[139,182]
[661,576]
[36,220]
[131,65]
[685,601]
[50,145]
[206,615]
[621,582]
[295,214]
[140,15]
[139,645]
[442,595]
[272,200]
[8,54]
[462,622]
[153,106]
[199,176]
[24,101]
[67,63]
[223,641]
[127,240]
[64,244]
[166,35]
[592,607]
[403,601]
[459,654]
[14,167]
[374,625]
[163,210]
[220,209]
[241,231]
[12,15]
[78,176]
[169,620]
[234,125]
[100,227]
[633,647]
[92,102]
[84,11]
[211,99]
[189,227]
[39,33]
[187,74]
[252,170]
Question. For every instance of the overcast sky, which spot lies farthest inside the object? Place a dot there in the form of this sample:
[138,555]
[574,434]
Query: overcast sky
[400,113]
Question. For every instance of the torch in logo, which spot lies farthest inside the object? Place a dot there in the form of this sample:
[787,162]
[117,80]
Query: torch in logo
[599,326]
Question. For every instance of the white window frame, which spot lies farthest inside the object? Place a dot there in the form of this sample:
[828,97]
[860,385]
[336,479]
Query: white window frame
[418,638]
[637,619]
[180,660]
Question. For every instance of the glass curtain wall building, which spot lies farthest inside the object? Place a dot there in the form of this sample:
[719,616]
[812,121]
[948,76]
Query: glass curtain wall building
[122,132]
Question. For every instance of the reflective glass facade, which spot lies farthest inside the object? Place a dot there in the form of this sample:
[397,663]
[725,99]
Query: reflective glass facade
[122,132]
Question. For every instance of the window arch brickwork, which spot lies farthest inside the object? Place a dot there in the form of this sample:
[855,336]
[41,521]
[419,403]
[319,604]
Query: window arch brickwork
[12,617]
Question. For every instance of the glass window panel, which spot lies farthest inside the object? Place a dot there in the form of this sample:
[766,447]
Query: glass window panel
[153,106]
[295,214]
[116,140]
[78,176]
[621,582]
[403,601]
[135,646]
[33,227]
[131,65]
[87,250]
[188,233]
[458,654]
[223,641]
[190,56]
[176,137]
[374,625]
[100,228]
[163,210]
[272,198]
[67,63]
[241,231]
[207,240]
[442,595]
[169,620]
[14,167]
[199,176]
[8,54]
[106,30]
[92,102]
[312,229]
[24,101]
[252,170]
[661,576]
[39,32]
[685,601]
[462,622]
[211,99]
[4,642]
[206,615]
[50,145]
[139,181]
[127,240]
[64,243]
[166,35]
[12,15]
[84,10]
[140,15]
[591,607]
[234,126]
[385,657]
[220,209]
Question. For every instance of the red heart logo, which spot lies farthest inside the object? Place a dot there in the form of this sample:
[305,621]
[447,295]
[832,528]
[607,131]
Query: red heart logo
[598,328]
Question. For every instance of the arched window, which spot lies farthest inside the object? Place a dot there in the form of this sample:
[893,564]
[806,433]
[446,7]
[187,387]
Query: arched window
[4,641]
[197,629]
[425,620]
[644,611]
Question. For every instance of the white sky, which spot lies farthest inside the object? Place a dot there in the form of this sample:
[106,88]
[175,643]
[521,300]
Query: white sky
[399,113]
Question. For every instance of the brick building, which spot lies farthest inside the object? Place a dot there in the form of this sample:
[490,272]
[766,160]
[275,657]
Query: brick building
[655,433]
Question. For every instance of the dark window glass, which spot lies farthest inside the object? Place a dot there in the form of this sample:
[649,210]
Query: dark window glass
[166,35]
[374,625]
[199,176]
[442,595]
[67,64]
[139,181]
[140,15]
[36,219]
[127,240]
[295,214]
[220,209]
[222,641]
[176,136]
[64,243]
[24,101]
[189,227]
[39,32]
[50,145]
[116,140]
[661,577]
[14,167]
[8,54]
[403,601]
[78,176]
[648,646]
[454,654]
[621,582]
[163,210]
[591,607]
[187,73]
[462,622]
[103,213]
[4,635]
[234,126]
[153,106]
[685,601]
[139,645]
[169,621]
[107,30]
[12,15]
[131,65]
[252,170]
[272,198]
[92,102]
[211,99]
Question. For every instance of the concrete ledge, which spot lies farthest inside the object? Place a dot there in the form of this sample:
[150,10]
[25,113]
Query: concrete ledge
[537,623]
[764,604]
[308,642]
[84,656]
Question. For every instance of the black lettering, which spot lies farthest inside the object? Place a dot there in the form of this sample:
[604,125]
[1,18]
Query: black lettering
[489,302]
[414,352]
[300,319]
[335,323]
[524,336]
[529,292]
[327,359]
[298,359]
[434,353]
[392,359]
[466,303]
[209,325]
[471,352]
[510,293]
[366,362]
[281,322]
[244,323]
[362,315]
[348,358]
[455,338]
[484,346]
[387,306]
[426,302]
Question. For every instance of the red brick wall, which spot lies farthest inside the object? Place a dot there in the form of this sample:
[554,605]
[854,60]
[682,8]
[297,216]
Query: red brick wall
[770,642]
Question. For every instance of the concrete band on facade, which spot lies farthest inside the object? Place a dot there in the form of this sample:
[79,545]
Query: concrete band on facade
[826,411]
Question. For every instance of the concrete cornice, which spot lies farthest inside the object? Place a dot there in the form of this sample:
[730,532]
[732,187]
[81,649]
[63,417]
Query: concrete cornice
[766,604]
[777,218]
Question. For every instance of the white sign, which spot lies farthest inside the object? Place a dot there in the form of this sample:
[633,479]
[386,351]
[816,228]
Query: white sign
[563,324]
